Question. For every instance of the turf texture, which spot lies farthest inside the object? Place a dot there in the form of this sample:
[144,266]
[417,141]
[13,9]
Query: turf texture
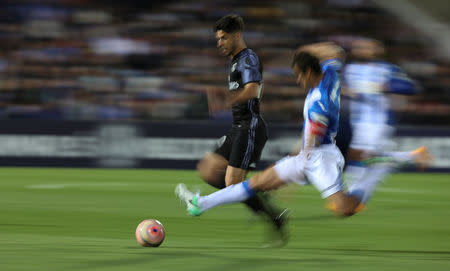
[84,219]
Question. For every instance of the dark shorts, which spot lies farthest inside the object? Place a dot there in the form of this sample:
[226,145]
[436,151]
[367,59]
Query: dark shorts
[243,144]
[344,134]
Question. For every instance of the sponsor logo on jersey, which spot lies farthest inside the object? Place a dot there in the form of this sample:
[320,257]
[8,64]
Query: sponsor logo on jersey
[319,118]
[233,85]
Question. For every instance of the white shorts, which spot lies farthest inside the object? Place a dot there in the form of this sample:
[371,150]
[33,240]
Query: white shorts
[322,167]
[372,137]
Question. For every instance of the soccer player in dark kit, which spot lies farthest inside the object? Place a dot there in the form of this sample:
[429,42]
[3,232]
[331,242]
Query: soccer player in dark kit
[240,149]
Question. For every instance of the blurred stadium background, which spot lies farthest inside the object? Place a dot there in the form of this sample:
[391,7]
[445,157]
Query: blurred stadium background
[79,77]
[122,84]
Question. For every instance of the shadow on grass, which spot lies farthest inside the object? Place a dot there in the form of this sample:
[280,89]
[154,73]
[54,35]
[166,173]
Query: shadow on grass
[314,218]
[195,259]
[215,257]
[27,225]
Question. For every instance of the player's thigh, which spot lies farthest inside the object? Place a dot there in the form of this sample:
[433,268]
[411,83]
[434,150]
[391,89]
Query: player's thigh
[234,175]
[212,164]
[324,170]
[224,145]
[261,137]
[291,169]
[267,180]
[246,149]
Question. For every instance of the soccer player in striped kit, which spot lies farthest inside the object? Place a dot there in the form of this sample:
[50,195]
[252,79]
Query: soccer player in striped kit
[319,162]
[370,82]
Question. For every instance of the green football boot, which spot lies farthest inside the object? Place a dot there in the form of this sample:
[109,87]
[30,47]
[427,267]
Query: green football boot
[189,198]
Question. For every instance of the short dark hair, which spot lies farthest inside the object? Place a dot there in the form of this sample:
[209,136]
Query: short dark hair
[305,60]
[230,23]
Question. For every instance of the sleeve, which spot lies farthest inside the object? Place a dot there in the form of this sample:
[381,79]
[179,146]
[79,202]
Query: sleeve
[334,63]
[400,83]
[250,69]
[318,118]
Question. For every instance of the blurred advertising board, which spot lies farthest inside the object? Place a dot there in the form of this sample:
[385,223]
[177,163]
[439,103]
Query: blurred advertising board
[159,144]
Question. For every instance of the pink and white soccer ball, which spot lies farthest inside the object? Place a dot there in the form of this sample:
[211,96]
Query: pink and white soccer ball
[150,233]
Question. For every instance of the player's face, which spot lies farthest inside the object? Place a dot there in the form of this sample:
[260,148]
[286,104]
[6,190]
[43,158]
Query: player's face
[226,42]
[302,78]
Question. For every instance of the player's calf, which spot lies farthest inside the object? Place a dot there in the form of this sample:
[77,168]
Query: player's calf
[344,205]
[212,170]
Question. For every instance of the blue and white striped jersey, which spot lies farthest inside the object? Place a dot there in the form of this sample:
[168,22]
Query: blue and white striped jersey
[368,84]
[334,63]
[321,109]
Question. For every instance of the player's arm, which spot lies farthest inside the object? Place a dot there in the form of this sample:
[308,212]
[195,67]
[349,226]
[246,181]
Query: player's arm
[317,129]
[298,147]
[250,91]
[400,83]
[217,99]
[251,80]
[327,52]
[313,140]
[317,126]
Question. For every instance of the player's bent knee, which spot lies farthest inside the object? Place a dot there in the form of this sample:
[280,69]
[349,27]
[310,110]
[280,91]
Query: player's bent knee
[215,181]
[342,205]
[234,175]
[228,182]
[211,174]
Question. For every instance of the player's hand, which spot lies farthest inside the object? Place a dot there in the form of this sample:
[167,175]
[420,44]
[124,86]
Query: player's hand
[217,99]
[323,50]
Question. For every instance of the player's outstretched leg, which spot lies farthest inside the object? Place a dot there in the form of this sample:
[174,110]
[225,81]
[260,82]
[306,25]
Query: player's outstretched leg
[365,187]
[268,180]
[212,169]
[189,198]
[421,157]
[197,204]
[371,172]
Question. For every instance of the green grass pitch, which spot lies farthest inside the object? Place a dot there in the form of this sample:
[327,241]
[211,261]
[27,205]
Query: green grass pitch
[83,219]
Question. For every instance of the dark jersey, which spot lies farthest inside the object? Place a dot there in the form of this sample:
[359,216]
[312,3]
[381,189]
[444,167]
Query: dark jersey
[245,68]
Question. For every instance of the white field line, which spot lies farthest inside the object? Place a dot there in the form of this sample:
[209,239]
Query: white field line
[298,194]
[410,191]
[68,185]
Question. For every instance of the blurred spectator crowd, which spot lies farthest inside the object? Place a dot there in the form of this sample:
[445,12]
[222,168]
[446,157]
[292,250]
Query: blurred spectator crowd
[155,60]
